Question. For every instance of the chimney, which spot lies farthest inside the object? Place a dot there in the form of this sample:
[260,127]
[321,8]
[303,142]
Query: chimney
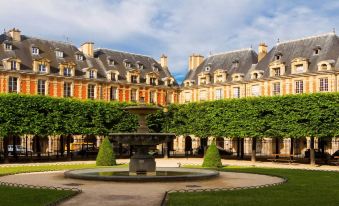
[262,51]
[194,61]
[15,34]
[163,61]
[88,49]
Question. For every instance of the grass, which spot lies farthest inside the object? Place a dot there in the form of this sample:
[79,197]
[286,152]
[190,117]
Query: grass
[303,188]
[14,196]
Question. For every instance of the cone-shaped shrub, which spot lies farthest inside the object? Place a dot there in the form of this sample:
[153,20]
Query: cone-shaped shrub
[212,157]
[106,156]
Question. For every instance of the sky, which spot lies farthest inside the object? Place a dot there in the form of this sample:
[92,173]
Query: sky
[176,28]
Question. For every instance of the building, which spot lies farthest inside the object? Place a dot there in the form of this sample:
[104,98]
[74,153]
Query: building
[42,67]
[305,65]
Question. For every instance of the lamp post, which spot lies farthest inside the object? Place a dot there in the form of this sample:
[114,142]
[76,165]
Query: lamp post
[165,148]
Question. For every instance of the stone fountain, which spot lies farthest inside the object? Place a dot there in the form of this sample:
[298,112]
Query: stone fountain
[142,162]
[142,166]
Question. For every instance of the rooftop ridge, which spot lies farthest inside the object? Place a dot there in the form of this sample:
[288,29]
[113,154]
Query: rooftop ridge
[55,41]
[113,50]
[233,51]
[306,38]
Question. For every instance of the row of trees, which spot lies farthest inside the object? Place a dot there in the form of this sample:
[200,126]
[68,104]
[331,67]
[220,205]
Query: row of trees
[42,116]
[295,116]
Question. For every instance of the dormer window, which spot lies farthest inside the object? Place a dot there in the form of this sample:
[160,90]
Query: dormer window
[42,68]
[59,54]
[255,76]
[13,65]
[127,64]
[153,81]
[140,66]
[277,57]
[67,72]
[111,62]
[79,57]
[155,68]
[113,77]
[237,77]
[91,74]
[8,47]
[207,69]
[134,78]
[299,68]
[235,63]
[316,50]
[276,72]
[35,51]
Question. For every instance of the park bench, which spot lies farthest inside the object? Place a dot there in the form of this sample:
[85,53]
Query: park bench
[282,158]
[337,158]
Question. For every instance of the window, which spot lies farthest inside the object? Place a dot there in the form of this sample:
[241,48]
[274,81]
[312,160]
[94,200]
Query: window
[8,47]
[276,72]
[169,97]
[68,89]
[299,87]
[127,65]
[276,88]
[42,87]
[153,81]
[113,93]
[203,95]
[59,54]
[155,68]
[111,62]
[35,51]
[42,68]
[207,69]
[113,77]
[152,97]
[91,74]
[140,66]
[299,68]
[316,51]
[277,57]
[134,79]
[79,57]
[133,95]
[13,85]
[188,97]
[236,92]
[323,84]
[255,90]
[91,91]
[323,67]
[67,72]
[13,65]
[218,94]
[255,76]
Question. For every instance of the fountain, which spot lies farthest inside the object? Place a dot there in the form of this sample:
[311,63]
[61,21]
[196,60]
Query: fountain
[142,166]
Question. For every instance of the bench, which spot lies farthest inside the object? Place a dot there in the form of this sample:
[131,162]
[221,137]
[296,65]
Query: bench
[282,158]
[337,158]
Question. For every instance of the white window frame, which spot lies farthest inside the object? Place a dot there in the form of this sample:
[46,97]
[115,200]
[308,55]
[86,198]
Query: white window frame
[68,91]
[113,95]
[59,54]
[35,50]
[13,65]
[323,84]
[67,71]
[299,87]
[41,87]
[91,91]
[203,95]
[276,88]
[13,88]
[236,92]
[219,93]
[255,90]
[42,68]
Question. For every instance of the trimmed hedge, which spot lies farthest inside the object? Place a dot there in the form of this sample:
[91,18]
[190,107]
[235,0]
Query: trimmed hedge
[106,156]
[212,157]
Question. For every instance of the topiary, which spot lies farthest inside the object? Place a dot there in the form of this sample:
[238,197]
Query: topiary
[106,156]
[212,157]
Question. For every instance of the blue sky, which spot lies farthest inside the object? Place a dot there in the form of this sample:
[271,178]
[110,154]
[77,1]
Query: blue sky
[176,28]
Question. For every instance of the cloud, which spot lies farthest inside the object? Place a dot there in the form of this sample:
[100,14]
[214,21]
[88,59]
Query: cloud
[177,28]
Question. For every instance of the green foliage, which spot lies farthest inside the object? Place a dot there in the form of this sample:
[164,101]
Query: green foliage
[106,156]
[212,157]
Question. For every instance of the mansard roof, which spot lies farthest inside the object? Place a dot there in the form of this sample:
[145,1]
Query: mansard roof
[119,57]
[303,48]
[239,61]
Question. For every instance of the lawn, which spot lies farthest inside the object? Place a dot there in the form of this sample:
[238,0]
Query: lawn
[13,196]
[303,188]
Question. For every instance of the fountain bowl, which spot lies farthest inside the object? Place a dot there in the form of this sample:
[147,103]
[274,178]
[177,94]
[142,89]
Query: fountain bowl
[163,174]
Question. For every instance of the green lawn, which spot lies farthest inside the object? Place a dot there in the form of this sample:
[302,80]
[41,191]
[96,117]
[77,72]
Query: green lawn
[303,188]
[14,196]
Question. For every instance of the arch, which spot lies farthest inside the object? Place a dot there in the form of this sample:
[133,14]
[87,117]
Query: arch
[188,145]
[220,142]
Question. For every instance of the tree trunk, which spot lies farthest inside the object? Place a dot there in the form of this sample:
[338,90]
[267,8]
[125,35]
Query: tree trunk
[62,149]
[242,148]
[38,146]
[6,159]
[238,147]
[26,145]
[68,142]
[312,154]
[277,147]
[254,149]
[292,148]
[15,155]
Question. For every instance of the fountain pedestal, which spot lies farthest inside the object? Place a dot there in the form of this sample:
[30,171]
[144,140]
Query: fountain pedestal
[142,163]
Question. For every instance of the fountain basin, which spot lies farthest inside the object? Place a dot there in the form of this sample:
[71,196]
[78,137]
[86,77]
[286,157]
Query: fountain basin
[163,174]
[142,138]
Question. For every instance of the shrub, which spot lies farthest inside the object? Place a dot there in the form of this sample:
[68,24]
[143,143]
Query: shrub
[106,156]
[212,157]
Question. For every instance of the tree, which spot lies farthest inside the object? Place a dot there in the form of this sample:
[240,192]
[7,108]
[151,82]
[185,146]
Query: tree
[212,157]
[106,156]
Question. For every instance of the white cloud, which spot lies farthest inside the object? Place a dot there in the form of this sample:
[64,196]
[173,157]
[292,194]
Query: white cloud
[176,28]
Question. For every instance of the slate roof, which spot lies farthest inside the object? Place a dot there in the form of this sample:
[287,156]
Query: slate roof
[22,50]
[119,57]
[246,58]
[329,50]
